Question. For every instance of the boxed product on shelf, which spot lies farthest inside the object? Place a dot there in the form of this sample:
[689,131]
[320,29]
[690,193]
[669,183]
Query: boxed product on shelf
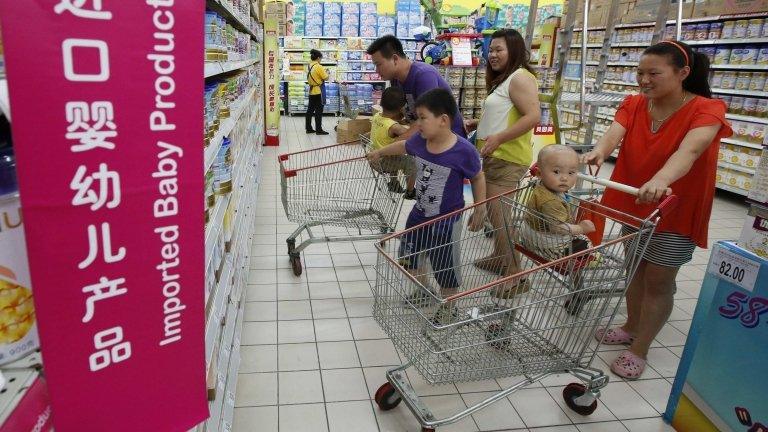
[759,191]
[708,8]
[754,232]
[332,30]
[647,11]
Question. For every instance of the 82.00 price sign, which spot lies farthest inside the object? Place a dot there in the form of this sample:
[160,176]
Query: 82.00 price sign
[734,268]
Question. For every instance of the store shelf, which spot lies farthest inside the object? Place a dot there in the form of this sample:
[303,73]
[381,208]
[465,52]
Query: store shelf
[733,189]
[232,17]
[306,63]
[629,44]
[683,21]
[588,63]
[752,119]
[5,105]
[742,143]
[728,41]
[624,83]
[740,92]
[214,225]
[589,45]
[17,383]
[236,110]
[362,81]
[597,99]
[217,68]
[624,63]
[734,167]
[759,68]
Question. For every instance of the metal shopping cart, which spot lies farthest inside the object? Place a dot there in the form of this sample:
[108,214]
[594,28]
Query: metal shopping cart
[334,189]
[519,325]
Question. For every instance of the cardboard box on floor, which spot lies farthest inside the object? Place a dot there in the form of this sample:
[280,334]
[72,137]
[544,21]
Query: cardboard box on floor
[350,130]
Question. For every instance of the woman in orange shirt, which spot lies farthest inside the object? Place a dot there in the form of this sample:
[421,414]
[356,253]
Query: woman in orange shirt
[671,133]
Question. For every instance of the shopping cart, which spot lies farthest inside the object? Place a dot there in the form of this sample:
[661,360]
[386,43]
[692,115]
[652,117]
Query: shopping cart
[336,190]
[518,325]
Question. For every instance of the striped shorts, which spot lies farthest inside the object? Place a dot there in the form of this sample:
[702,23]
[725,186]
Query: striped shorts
[665,248]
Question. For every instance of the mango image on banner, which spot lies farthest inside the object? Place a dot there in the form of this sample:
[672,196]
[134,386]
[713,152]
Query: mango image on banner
[17,311]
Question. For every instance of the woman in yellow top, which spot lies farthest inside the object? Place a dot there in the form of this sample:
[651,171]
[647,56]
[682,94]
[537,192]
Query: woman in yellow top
[316,78]
[505,130]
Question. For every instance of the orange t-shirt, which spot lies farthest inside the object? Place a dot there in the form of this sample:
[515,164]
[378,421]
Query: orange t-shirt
[643,154]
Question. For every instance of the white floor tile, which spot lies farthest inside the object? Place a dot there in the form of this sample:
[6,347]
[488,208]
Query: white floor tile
[377,353]
[328,330]
[624,402]
[423,388]
[303,418]
[262,277]
[294,310]
[346,260]
[312,261]
[335,355]
[537,408]
[259,333]
[260,311]
[295,331]
[567,428]
[447,406]
[614,426]
[344,385]
[655,424]
[297,357]
[260,293]
[324,290]
[655,392]
[663,361]
[300,387]
[499,415]
[352,417]
[286,276]
[293,291]
[359,307]
[268,262]
[256,389]
[350,274]
[356,289]
[321,274]
[398,419]
[258,358]
[478,386]
[602,413]
[328,308]
[253,419]
[366,328]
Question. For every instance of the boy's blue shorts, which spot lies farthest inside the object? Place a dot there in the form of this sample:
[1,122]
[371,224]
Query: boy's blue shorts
[439,241]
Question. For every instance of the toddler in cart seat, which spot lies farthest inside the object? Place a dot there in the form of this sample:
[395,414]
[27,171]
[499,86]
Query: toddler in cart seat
[443,161]
[385,129]
[547,228]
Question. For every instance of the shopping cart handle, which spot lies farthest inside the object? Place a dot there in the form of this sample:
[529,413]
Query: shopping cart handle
[668,205]
[610,184]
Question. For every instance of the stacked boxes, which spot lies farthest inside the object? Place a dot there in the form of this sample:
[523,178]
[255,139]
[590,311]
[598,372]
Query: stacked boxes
[313,20]
[279,12]
[368,20]
[408,17]
[298,17]
[332,98]
[386,25]
[350,19]
[331,19]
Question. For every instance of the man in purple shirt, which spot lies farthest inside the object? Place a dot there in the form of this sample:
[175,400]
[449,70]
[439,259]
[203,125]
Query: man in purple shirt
[415,78]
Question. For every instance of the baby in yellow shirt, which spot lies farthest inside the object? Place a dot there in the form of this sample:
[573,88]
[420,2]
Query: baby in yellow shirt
[386,129]
[548,226]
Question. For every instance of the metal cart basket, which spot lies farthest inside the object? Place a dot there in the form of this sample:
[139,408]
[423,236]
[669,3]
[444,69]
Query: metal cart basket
[337,191]
[455,322]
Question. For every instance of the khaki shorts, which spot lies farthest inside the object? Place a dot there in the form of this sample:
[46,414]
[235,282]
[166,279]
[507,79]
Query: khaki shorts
[499,172]
[393,164]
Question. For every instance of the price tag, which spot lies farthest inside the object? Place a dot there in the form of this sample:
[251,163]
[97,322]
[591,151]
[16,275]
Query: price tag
[462,51]
[734,268]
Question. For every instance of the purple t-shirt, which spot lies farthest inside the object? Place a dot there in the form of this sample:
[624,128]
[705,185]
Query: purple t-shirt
[421,79]
[440,177]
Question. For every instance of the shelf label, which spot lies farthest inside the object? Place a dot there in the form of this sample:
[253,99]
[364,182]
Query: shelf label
[108,143]
[734,268]
[462,51]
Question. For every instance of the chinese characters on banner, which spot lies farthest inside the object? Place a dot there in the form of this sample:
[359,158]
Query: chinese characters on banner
[107,126]
[272,76]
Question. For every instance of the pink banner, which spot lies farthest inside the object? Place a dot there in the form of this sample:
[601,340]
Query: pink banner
[33,413]
[106,98]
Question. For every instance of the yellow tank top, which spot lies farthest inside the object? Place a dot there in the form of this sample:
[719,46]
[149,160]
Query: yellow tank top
[380,131]
[499,113]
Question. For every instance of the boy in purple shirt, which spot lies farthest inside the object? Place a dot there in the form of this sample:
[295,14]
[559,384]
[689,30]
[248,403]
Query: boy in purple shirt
[415,78]
[443,160]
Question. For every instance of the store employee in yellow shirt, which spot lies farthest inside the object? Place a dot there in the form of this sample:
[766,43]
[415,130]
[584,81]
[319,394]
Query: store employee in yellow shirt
[316,78]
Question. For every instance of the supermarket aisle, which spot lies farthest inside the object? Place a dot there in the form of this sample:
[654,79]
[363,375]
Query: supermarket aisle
[312,356]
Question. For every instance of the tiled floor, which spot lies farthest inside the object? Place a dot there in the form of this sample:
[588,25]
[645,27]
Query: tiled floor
[312,356]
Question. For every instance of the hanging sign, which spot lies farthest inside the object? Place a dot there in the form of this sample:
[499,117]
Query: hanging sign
[107,125]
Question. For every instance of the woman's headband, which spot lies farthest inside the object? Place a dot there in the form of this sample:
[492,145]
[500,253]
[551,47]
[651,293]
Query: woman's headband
[682,50]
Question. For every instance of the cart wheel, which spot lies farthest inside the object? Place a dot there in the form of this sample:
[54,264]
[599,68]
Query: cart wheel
[573,391]
[291,244]
[576,303]
[387,397]
[296,265]
[493,333]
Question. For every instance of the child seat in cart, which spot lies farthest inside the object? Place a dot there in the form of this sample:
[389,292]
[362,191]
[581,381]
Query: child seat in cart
[519,325]
[336,194]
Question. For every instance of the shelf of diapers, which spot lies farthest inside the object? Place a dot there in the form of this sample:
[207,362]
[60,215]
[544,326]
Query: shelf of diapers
[213,69]
[19,377]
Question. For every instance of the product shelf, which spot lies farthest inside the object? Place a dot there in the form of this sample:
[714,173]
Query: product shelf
[752,119]
[759,40]
[232,17]
[742,143]
[758,68]
[213,69]
[740,92]
[734,167]
[733,189]
[236,110]
[684,21]
[5,106]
